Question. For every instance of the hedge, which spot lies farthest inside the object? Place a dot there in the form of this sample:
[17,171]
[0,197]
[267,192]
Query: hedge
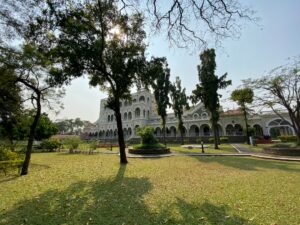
[287,138]
[222,140]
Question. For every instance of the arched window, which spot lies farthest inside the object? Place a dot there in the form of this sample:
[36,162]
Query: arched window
[108,118]
[129,116]
[142,99]
[229,130]
[125,116]
[144,113]
[112,118]
[196,116]
[204,115]
[137,112]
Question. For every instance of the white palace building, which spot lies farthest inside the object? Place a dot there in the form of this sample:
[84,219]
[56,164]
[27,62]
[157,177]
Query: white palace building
[141,111]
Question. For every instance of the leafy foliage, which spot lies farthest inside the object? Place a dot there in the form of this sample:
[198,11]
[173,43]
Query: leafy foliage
[242,97]
[97,39]
[10,103]
[147,135]
[7,154]
[207,90]
[50,145]
[179,102]
[280,90]
[160,73]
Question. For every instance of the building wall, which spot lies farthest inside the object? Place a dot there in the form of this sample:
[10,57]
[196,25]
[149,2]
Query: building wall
[141,111]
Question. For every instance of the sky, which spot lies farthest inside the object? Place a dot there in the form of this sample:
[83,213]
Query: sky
[260,48]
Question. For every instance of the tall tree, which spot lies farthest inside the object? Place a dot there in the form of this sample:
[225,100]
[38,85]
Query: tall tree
[280,90]
[95,39]
[159,71]
[242,97]
[31,68]
[207,90]
[179,102]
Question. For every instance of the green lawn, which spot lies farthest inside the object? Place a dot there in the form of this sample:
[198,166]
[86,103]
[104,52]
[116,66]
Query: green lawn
[224,148]
[94,189]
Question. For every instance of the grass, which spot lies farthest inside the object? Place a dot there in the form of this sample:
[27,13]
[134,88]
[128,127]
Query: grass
[95,189]
[224,148]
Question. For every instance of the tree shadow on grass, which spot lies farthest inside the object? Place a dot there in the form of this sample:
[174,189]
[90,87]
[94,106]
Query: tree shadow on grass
[246,163]
[113,201]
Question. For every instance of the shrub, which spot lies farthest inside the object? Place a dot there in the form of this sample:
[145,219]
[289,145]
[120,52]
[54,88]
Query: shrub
[222,140]
[93,145]
[7,154]
[211,140]
[72,143]
[287,138]
[147,135]
[50,145]
[148,146]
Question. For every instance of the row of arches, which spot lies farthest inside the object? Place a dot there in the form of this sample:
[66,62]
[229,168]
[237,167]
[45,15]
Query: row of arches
[274,128]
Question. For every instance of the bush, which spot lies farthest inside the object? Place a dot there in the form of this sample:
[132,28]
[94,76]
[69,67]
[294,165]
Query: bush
[287,138]
[211,140]
[222,140]
[93,145]
[72,143]
[50,145]
[7,154]
[147,135]
[148,146]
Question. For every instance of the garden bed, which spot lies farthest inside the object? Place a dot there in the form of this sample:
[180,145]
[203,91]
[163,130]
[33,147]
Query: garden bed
[149,151]
[287,151]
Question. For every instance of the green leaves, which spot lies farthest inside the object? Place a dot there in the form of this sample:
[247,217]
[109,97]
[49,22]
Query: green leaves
[242,96]
[207,89]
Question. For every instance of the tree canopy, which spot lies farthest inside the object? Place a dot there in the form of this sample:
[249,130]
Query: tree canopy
[242,97]
[159,71]
[179,103]
[94,39]
[207,90]
[280,90]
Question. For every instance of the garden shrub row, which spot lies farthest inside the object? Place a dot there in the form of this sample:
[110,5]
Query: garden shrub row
[222,140]
[9,160]
[287,138]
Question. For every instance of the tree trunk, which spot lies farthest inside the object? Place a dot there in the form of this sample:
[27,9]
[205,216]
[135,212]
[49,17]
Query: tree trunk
[180,128]
[246,123]
[123,158]
[164,130]
[31,135]
[215,135]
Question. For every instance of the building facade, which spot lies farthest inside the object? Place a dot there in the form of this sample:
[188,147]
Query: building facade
[141,111]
